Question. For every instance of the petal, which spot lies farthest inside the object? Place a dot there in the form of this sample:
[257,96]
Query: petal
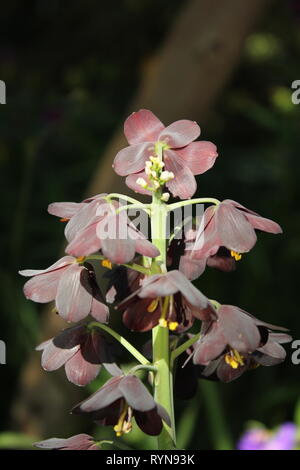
[60,349]
[210,346]
[142,126]
[180,133]
[149,422]
[118,251]
[136,394]
[190,267]
[104,397]
[84,217]
[132,159]
[78,442]
[198,156]
[132,184]
[99,311]
[239,329]
[257,222]
[146,248]
[73,300]
[85,242]
[137,318]
[65,210]
[190,292]
[62,262]
[79,370]
[183,184]
[43,288]
[227,374]
[234,230]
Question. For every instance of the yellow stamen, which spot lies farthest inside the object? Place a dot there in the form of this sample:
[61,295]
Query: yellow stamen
[235,255]
[64,219]
[106,263]
[123,426]
[173,325]
[163,322]
[80,259]
[153,306]
[234,359]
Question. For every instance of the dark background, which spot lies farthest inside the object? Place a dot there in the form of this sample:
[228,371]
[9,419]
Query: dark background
[72,70]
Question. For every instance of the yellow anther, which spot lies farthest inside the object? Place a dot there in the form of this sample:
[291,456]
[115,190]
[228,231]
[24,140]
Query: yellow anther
[234,359]
[80,259]
[153,306]
[173,325]
[123,426]
[163,322]
[64,219]
[106,263]
[235,255]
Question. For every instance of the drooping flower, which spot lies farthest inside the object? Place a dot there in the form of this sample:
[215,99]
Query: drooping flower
[168,299]
[283,438]
[78,442]
[236,342]
[121,399]
[231,226]
[81,351]
[181,156]
[72,285]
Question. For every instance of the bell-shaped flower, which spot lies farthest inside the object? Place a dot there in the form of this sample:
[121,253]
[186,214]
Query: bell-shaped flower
[182,157]
[82,351]
[168,299]
[121,399]
[72,285]
[231,226]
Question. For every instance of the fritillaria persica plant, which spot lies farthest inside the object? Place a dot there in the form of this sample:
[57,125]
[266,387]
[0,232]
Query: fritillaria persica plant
[148,282]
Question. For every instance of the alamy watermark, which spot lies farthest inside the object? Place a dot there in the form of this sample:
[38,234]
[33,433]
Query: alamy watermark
[2,92]
[296,94]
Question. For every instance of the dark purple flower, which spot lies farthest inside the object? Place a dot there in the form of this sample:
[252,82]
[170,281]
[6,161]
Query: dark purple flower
[181,156]
[73,287]
[168,299]
[78,442]
[81,351]
[284,438]
[121,399]
[232,226]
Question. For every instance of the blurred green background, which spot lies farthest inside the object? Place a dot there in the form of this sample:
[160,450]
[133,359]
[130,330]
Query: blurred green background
[72,70]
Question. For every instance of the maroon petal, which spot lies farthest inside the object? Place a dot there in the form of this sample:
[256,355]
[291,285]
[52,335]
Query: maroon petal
[142,126]
[180,133]
[85,242]
[190,267]
[65,210]
[137,318]
[136,394]
[73,300]
[198,156]
[227,374]
[184,184]
[149,422]
[131,182]
[132,159]
[104,397]
[190,292]
[270,354]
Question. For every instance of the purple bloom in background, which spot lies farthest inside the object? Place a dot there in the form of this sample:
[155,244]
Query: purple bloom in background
[284,438]
[78,442]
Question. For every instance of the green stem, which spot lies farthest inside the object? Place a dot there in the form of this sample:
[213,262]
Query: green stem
[143,207]
[183,347]
[122,196]
[163,384]
[122,341]
[134,266]
[189,202]
[142,367]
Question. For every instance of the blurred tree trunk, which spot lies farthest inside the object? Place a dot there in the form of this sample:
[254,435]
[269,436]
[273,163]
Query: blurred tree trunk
[183,80]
